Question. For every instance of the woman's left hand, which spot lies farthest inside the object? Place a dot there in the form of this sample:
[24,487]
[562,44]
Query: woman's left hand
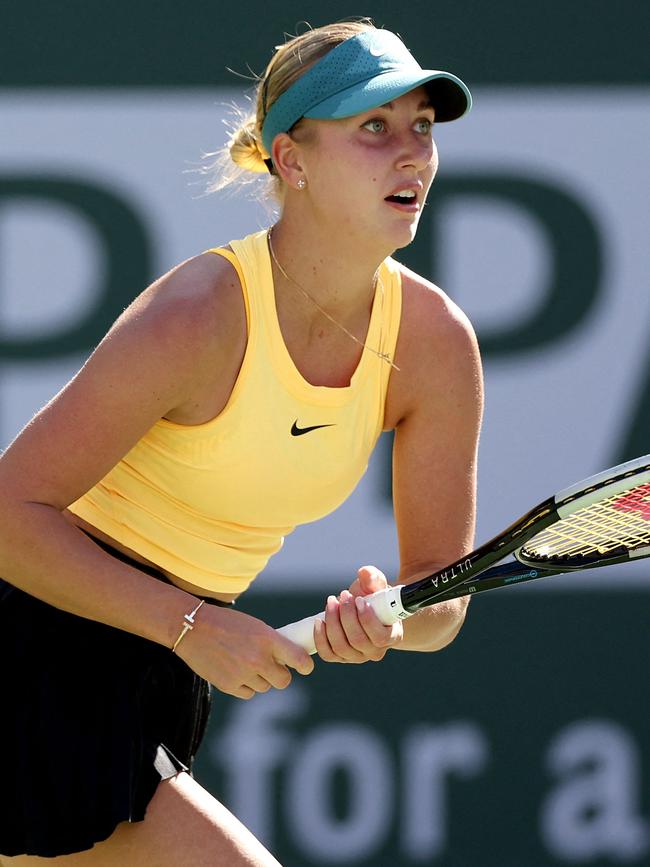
[352,632]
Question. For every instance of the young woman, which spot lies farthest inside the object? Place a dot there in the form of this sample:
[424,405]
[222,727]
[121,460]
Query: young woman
[239,395]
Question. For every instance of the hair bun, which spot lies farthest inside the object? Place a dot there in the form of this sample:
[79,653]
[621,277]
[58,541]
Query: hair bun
[246,148]
[237,163]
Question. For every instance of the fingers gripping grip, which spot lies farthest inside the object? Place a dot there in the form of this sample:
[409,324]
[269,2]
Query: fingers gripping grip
[387,605]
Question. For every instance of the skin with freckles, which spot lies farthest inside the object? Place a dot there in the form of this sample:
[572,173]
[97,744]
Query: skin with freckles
[352,165]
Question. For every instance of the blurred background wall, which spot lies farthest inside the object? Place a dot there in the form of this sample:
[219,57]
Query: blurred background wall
[526,743]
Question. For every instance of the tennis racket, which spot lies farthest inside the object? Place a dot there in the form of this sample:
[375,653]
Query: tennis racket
[602,520]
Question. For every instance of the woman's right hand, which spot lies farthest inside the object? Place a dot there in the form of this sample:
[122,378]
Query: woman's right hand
[240,654]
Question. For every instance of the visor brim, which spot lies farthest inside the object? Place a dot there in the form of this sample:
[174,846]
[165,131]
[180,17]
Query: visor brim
[450,97]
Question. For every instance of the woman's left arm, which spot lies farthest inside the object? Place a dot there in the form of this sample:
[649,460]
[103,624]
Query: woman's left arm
[435,406]
[435,458]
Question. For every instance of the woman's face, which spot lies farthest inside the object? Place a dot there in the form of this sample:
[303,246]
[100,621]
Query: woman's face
[356,167]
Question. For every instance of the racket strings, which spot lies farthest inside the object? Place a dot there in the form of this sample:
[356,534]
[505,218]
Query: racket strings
[619,523]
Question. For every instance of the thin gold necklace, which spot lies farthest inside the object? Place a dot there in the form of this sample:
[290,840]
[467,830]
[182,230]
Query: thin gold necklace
[383,355]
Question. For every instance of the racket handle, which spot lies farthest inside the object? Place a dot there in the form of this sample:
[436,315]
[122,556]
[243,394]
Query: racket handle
[387,605]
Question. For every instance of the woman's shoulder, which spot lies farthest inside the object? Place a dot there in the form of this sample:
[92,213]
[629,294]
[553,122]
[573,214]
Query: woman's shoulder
[429,314]
[200,297]
[197,287]
[437,354]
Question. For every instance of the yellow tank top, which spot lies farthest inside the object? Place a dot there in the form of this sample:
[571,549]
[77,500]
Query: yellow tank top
[212,502]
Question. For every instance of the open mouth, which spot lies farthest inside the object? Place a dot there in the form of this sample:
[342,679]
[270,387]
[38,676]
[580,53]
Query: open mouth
[408,197]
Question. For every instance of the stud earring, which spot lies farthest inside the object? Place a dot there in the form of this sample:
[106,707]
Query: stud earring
[302,183]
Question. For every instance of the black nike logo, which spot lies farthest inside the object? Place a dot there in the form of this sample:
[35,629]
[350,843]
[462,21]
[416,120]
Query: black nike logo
[299,431]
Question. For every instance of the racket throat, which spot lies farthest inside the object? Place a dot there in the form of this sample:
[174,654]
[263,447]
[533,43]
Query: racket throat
[419,594]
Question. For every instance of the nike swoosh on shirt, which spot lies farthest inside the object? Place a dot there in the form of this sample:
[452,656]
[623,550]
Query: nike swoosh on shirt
[299,431]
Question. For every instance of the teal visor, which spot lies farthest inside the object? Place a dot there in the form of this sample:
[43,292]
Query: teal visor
[362,73]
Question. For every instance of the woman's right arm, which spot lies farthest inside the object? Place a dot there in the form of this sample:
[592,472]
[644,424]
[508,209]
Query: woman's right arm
[158,359]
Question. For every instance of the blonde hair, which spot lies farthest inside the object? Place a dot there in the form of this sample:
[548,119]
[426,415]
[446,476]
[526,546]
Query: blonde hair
[242,159]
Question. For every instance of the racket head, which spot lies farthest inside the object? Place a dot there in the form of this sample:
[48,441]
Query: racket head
[621,477]
[605,521]
[616,482]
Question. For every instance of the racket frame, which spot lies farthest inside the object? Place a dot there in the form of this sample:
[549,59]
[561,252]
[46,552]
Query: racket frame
[617,480]
[477,571]
[520,572]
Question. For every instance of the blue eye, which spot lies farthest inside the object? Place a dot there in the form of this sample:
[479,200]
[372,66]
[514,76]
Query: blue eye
[425,126]
[375,125]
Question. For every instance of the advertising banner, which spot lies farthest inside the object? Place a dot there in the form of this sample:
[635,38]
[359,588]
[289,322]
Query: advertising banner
[536,226]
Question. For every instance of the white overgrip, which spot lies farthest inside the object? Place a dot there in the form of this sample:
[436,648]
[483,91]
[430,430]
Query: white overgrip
[387,605]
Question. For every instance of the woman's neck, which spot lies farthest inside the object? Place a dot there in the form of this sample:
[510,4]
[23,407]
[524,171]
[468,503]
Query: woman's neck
[330,268]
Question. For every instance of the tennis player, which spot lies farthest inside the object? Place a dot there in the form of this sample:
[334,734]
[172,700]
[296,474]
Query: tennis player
[238,396]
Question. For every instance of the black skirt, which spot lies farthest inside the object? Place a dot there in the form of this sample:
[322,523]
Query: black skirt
[92,719]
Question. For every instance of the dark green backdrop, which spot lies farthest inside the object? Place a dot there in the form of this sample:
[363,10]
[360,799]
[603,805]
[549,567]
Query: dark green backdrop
[81,42]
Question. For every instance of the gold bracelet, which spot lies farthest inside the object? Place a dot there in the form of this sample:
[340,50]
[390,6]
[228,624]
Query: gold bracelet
[187,626]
